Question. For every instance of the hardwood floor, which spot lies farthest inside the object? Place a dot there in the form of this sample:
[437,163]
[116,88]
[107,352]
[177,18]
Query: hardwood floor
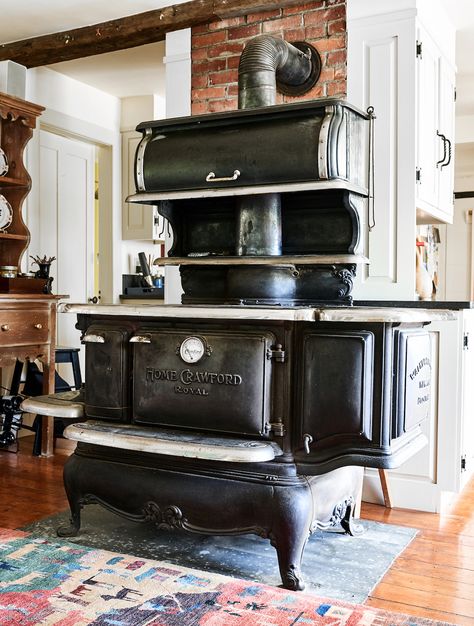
[434,577]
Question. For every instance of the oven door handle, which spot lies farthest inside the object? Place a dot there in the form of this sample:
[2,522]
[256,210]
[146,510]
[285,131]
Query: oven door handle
[93,338]
[140,339]
[211,177]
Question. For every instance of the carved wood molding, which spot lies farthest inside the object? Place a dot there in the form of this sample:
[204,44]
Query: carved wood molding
[129,32]
[15,108]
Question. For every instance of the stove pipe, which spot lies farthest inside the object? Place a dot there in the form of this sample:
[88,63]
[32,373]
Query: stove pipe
[267,64]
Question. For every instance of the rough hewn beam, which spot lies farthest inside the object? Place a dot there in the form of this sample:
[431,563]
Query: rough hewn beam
[128,32]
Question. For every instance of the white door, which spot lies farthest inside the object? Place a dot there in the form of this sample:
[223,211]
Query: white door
[66,228]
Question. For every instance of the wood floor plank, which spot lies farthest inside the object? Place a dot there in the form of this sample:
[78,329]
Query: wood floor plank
[409,609]
[456,574]
[402,578]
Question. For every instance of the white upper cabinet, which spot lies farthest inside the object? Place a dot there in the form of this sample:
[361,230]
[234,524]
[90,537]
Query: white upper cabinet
[401,61]
[435,136]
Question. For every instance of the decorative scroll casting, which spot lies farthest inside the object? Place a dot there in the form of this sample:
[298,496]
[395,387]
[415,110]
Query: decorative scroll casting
[167,518]
[343,515]
[346,276]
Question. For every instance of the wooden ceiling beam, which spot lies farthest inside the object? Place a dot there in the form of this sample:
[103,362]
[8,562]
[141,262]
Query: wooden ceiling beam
[128,32]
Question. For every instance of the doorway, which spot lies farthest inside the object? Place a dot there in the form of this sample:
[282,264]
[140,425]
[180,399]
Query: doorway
[68,224]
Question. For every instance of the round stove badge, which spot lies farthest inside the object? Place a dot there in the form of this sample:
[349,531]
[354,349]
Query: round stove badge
[192,349]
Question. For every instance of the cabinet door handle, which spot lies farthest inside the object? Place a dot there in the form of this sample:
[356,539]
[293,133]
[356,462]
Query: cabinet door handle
[443,137]
[5,327]
[38,326]
[211,177]
[449,153]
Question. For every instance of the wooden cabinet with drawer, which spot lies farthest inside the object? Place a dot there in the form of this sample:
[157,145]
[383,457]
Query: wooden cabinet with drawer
[28,331]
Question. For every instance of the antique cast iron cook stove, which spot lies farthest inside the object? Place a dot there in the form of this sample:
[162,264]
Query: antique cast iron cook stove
[251,419]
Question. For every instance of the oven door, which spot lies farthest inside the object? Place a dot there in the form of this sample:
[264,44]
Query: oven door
[210,381]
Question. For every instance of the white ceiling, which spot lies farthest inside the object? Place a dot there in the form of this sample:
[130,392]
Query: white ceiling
[139,71]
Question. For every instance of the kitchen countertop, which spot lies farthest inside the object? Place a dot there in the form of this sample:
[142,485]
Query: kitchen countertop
[450,305]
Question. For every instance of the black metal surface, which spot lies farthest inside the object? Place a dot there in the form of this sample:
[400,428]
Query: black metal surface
[259,225]
[228,390]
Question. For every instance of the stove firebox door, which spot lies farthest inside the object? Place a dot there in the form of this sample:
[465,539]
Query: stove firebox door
[214,381]
[336,393]
[107,351]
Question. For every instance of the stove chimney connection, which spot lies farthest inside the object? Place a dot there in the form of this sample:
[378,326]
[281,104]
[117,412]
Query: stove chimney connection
[268,64]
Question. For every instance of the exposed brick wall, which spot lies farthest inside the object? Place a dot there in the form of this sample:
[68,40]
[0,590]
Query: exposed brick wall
[216,49]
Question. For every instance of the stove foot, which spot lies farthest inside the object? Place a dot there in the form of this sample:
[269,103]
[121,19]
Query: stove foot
[71,529]
[349,525]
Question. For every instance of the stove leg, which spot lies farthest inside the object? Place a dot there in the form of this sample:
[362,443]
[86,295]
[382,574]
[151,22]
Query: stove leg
[289,536]
[75,500]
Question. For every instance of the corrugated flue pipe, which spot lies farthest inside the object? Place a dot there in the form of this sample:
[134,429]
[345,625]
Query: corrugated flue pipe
[267,64]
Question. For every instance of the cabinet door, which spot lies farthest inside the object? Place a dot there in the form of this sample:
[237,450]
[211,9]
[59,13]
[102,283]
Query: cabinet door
[139,221]
[446,127]
[430,145]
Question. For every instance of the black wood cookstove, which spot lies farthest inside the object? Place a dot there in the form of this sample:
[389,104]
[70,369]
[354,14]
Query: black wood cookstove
[255,405]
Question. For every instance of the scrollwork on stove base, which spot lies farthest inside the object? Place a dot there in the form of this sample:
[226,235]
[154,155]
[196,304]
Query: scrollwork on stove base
[292,579]
[343,515]
[168,518]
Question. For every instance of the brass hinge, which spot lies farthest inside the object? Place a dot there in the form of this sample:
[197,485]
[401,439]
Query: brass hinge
[277,353]
[419,50]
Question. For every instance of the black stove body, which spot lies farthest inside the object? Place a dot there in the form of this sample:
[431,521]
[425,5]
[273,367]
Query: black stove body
[256,405]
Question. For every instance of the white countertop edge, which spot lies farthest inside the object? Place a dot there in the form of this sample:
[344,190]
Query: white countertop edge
[296,314]
[154,445]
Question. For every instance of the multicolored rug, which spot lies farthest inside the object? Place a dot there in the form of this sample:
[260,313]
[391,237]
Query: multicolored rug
[48,583]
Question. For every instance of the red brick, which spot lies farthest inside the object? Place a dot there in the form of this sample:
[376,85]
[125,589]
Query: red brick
[233,62]
[199,30]
[327,73]
[208,92]
[225,49]
[339,26]
[228,23]
[302,8]
[340,73]
[315,32]
[198,54]
[215,65]
[223,78]
[295,35]
[198,108]
[202,41]
[335,58]
[262,16]
[244,32]
[215,106]
[325,15]
[330,44]
[336,88]
[285,23]
[198,81]
[233,90]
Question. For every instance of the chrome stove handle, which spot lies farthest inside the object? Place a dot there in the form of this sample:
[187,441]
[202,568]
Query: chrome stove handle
[140,339]
[307,439]
[211,177]
[93,338]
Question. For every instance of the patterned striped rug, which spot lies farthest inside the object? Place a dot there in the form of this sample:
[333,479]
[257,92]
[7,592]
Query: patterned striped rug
[44,582]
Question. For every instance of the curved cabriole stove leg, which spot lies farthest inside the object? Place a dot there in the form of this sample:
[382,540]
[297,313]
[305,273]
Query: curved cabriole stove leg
[290,532]
[74,498]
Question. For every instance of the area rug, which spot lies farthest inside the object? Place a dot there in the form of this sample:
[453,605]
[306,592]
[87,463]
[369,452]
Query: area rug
[334,565]
[45,582]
